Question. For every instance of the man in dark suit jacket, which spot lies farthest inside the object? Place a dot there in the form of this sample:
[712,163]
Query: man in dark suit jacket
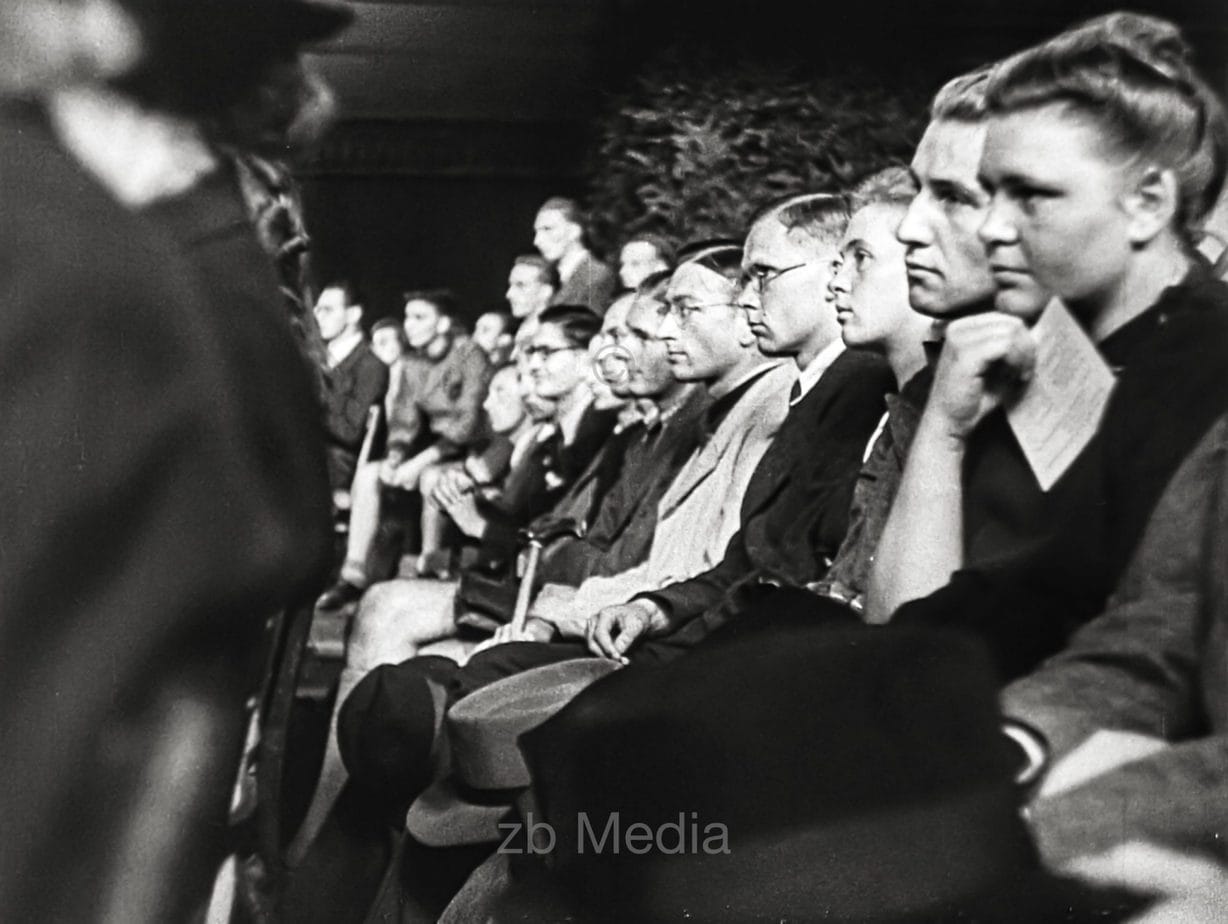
[793,513]
[558,234]
[356,379]
[796,506]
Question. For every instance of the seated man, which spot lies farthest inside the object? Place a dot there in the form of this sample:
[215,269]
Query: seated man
[871,296]
[708,341]
[1135,709]
[531,285]
[793,509]
[976,536]
[435,414]
[395,617]
[388,341]
[795,512]
[493,332]
[510,422]
[355,379]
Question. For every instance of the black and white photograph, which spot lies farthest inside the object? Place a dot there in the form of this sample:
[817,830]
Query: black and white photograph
[614,461]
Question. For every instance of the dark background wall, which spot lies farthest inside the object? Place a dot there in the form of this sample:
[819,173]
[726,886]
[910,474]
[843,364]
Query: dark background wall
[460,116]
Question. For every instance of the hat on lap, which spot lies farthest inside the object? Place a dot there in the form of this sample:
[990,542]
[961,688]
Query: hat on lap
[488,770]
[813,773]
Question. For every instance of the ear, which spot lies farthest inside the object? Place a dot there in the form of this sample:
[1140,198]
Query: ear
[1151,205]
[746,337]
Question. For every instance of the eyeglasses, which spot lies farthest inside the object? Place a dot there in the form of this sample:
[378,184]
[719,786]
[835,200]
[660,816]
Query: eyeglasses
[764,276]
[684,312]
[542,351]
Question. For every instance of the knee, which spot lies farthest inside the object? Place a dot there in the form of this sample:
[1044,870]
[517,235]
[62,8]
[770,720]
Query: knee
[383,607]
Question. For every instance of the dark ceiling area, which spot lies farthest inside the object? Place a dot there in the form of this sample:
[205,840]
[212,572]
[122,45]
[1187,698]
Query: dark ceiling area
[459,116]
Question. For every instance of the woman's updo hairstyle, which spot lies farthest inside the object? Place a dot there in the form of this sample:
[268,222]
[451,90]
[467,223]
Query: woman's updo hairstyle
[1132,76]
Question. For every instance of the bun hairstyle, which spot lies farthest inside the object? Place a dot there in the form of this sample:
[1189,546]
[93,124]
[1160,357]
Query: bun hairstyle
[1132,76]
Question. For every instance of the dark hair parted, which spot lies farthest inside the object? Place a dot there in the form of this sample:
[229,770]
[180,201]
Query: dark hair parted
[1129,75]
[889,186]
[546,272]
[578,324]
[443,300]
[721,255]
[820,218]
[962,98]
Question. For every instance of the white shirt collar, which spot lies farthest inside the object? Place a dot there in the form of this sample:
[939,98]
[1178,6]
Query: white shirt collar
[569,423]
[809,377]
[141,157]
[570,262]
[339,348]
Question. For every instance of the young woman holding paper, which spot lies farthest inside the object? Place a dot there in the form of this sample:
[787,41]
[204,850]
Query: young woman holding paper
[1103,149]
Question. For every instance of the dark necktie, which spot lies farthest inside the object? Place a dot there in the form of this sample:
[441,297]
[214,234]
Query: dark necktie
[795,392]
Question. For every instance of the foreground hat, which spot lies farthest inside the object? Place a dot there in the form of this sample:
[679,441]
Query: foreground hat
[808,773]
[488,769]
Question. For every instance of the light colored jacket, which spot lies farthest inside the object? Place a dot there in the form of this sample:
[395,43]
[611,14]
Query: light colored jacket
[699,512]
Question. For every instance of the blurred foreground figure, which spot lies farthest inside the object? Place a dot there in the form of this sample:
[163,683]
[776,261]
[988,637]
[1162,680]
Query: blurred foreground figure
[164,482]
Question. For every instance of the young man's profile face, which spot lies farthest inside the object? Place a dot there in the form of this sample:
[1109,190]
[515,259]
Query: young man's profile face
[947,267]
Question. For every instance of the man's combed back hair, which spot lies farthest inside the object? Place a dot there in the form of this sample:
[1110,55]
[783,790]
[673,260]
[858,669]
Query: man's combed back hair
[962,98]
[443,300]
[577,323]
[546,272]
[820,218]
[568,208]
[890,186]
[722,256]
[1131,77]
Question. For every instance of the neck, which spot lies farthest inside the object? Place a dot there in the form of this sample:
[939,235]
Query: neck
[523,426]
[672,397]
[736,374]
[572,258]
[1162,264]
[905,359]
[570,404]
[815,346]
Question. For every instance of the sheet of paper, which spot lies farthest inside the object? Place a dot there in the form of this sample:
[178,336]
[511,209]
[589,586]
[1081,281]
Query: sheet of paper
[1059,411]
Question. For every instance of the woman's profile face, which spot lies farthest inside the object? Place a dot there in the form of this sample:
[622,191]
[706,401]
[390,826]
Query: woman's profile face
[1058,196]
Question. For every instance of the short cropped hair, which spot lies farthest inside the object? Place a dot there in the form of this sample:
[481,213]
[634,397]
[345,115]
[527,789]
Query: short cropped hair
[546,272]
[819,217]
[962,98]
[444,301]
[892,185]
[1130,77]
[578,324]
[723,256]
